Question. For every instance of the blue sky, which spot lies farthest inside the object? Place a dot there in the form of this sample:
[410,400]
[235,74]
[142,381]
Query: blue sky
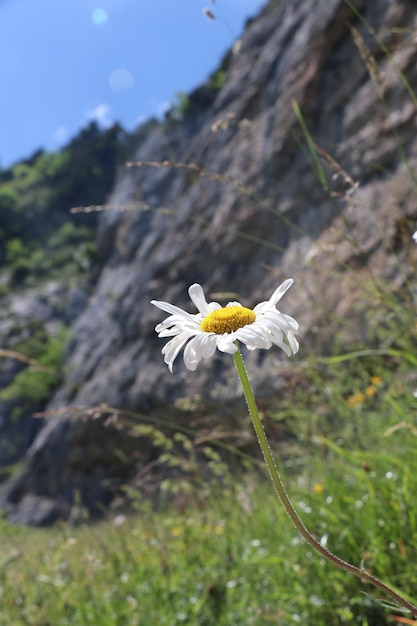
[65,62]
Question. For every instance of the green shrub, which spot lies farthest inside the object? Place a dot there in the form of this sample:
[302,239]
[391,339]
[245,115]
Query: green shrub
[34,385]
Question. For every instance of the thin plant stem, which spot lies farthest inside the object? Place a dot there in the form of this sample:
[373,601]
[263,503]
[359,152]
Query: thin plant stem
[359,572]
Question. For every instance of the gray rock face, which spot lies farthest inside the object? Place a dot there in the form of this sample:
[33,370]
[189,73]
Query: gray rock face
[213,233]
[91,457]
[287,221]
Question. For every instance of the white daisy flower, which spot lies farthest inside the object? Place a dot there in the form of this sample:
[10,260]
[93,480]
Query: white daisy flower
[415,236]
[220,327]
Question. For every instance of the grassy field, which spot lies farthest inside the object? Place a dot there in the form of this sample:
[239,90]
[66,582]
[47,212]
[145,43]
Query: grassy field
[233,557]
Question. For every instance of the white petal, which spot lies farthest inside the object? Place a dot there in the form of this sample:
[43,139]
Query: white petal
[281,290]
[293,343]
[196,294]
[253,337]
[275,325]
[283,346]
[172,348]
[291,322]
[275,298]
[208,343]
[171,308]
[192,353]
[172,325]
[226,343]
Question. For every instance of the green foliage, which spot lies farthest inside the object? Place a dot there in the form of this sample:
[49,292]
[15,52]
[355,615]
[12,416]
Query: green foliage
[18,260]
[68,252]
[217,80]
[9,222]
[34,385]
[90,165]
[185,105]
[232,558]
[225,552]
[41,238]
[180,106]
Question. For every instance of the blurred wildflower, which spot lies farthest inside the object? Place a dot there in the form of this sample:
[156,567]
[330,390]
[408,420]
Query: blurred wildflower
[133,603]
[415,236]
[355,399]
[176,531]
[220,327]
[376,380]
[370,391]
[318,489]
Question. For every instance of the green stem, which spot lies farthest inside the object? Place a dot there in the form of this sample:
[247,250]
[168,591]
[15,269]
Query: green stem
[359,572]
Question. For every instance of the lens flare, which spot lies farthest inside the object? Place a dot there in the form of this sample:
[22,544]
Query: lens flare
[99,16]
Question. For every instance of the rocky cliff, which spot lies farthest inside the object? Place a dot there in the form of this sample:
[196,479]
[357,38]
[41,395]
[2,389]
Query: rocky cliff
[299,166]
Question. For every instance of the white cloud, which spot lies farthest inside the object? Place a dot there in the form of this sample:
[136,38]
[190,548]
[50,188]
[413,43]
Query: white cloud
[159,107]
[101,115]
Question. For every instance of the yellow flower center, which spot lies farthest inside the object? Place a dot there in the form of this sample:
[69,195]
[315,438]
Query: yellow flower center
[227,319]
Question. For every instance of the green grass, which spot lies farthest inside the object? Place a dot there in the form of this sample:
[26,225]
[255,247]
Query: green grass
[233,557]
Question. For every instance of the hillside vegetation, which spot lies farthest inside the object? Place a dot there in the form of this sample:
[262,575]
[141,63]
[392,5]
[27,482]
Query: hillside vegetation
[39,238]
[46,254]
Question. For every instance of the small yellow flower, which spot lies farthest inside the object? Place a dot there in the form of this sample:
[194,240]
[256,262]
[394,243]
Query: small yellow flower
[176,531]
[355,398]
[370,391]
[318,489]
[376,380]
